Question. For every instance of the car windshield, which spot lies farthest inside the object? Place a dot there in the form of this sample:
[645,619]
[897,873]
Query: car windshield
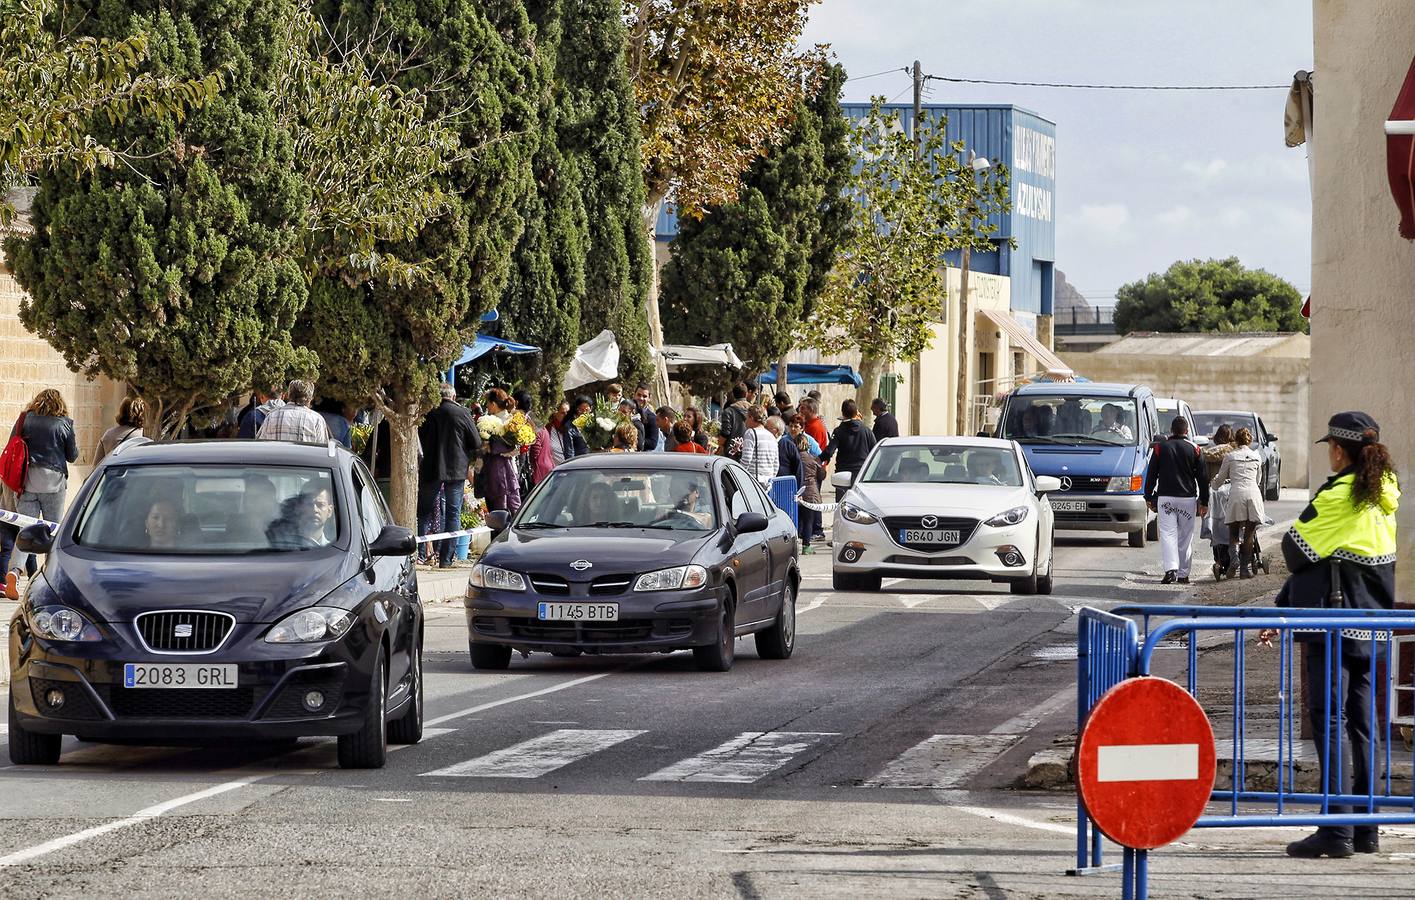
[1071,419]
[1206,423]
[943,464]
[622,498]
[219,510]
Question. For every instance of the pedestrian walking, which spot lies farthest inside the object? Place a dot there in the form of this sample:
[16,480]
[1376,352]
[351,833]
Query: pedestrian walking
[1341,553]
[808,520]
[337,419]
[886,425]
[796,426]
[295,421]
[127,425]
[734,421]
[784,405]
[1176,489]
[759,451]
[787,454]
[503,483]
[557,442]
[48,435]
[849,444]
[1220,445]
[450,442]
[683,439]
[1243,512]
[694,417]
[813,425]
[252,416]
[9,502]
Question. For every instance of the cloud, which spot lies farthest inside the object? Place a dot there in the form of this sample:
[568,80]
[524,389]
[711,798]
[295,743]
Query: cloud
[1105,218]
[1177,217]
[1206,171]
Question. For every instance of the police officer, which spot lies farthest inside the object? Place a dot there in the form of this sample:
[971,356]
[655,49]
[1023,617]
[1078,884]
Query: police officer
[1341,552]
[1175,488]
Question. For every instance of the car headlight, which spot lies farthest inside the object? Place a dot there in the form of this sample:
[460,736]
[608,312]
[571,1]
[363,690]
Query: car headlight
[496,579]
[318,623]
[59,623]
[1123,484]
[678,578]
[853,513]
[1012,517]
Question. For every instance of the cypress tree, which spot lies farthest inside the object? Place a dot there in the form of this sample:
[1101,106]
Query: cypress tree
[749,271]
[179,271]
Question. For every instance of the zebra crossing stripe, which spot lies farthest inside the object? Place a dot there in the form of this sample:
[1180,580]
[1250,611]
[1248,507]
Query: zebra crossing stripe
[943,761]
[538,756]
[748,757]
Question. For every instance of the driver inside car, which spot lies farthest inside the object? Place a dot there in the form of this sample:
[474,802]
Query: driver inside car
[983,468]
[688,494]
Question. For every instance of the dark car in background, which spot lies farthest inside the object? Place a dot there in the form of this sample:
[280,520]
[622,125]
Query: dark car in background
[1206,422]
[219,592]
[638,553]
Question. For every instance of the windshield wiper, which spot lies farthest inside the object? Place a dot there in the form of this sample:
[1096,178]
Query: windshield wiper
[613,525]
[529,525]
[1085,438]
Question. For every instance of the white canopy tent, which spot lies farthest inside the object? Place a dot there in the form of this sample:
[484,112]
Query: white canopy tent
[595,360]
[679,356]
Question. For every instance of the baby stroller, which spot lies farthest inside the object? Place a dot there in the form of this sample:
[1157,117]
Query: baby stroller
[1218,537]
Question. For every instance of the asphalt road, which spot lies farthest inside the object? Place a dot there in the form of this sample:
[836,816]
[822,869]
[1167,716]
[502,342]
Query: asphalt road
[881,759]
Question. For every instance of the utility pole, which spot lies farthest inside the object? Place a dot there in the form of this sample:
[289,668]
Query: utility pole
[916,369]
[964,318]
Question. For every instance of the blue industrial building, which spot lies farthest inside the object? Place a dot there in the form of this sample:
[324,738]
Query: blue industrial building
[1026,143]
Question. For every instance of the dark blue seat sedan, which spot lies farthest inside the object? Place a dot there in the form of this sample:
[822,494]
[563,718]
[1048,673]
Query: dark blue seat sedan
[220,591]
[638,553]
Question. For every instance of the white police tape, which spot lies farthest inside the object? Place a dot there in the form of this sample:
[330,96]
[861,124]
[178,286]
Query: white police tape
[22,521]
[818,507]
[481,529]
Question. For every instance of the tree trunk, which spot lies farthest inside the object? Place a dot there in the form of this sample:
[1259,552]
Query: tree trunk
[659,383]
[781,373]
[871,367]
[403,466]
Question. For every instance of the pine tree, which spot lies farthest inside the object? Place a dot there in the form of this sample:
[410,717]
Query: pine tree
[749,271]
[177,272]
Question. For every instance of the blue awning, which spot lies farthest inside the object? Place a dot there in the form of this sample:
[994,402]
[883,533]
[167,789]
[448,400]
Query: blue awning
[484,345]
[814,373]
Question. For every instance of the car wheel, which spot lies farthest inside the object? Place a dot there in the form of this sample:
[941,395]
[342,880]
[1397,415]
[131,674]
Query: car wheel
[1026,585]
[1137,538]
[30,748]
[408,728]
[1275,492]
[1045,583]
[367,748]
[490,656]
[718,656]
[779,640]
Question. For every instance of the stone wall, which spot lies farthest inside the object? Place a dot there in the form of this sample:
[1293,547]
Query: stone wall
[1363,272]
[1275,388]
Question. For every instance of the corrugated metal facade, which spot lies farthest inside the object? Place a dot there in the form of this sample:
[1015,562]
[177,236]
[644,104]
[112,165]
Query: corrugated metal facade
[1026,143]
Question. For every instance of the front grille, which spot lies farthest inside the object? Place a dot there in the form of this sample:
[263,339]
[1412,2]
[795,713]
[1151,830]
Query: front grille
[611,584]
[903,560]
[184,630]
[1090,516]
[964,527]
[77,703]
[290,702]
[583,633]
[1087,483]
[550,584]
[167,703]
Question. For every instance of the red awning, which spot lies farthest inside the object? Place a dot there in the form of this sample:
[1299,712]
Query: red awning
[1400,154]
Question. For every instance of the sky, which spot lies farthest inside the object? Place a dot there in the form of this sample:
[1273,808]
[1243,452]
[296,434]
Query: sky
[1143,178]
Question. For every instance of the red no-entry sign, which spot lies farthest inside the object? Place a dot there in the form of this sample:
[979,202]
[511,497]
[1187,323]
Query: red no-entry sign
[1145,765]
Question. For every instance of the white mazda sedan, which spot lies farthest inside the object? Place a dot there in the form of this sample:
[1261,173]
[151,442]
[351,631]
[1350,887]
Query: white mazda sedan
[944,507]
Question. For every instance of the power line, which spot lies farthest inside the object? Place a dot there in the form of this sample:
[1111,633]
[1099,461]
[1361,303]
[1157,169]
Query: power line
[1115,87]
[875,75]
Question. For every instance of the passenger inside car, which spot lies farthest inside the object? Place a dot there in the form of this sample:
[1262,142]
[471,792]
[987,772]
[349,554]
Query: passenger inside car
[982,468]
[304,520]
[597,505]
[163,524]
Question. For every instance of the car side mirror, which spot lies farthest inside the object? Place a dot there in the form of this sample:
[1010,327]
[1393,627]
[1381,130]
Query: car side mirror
[1048,484]
[1272,439]
[497,520]
[394,540]
[750,522]
[36,538]
[842,480]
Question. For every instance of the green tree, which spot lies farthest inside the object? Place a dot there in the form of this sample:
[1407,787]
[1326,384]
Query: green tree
[716,83]
[178,271]
[912,203]
[52,85]
[389,343]
[749,272]
[1209,295]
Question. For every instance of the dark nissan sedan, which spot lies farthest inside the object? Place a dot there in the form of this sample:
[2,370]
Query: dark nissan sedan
[216,592]
[638,553]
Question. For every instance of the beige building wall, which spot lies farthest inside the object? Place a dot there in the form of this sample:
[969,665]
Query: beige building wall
[1276,388]
[1363,272]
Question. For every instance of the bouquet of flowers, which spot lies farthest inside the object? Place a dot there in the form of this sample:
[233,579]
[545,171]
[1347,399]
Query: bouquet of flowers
[519,433]
[597,425]
[358,437]
[490,427]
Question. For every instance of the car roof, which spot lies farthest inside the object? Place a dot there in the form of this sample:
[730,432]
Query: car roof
[1081,388]
[666,461]
[1169,401]
[1224,412]
[234,451]
[952,440]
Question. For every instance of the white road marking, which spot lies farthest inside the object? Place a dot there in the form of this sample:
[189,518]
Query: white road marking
[816,603]
[1147,762]
[942,761]
[1009,819]
[554,688]
[20,857]
[891,582]
[1025,721]
[538,756]
[747,758]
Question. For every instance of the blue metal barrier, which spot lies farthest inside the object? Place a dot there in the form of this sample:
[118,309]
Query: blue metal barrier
[1106,647]
[783,493]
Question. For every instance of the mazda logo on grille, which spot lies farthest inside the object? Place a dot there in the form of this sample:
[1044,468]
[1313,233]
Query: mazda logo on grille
[182,631]
[1065,483]
[581,565]
[929,521]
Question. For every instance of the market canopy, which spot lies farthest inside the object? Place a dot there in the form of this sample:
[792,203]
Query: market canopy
[679,356]
[484,345]
[815,373]
[595,360]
